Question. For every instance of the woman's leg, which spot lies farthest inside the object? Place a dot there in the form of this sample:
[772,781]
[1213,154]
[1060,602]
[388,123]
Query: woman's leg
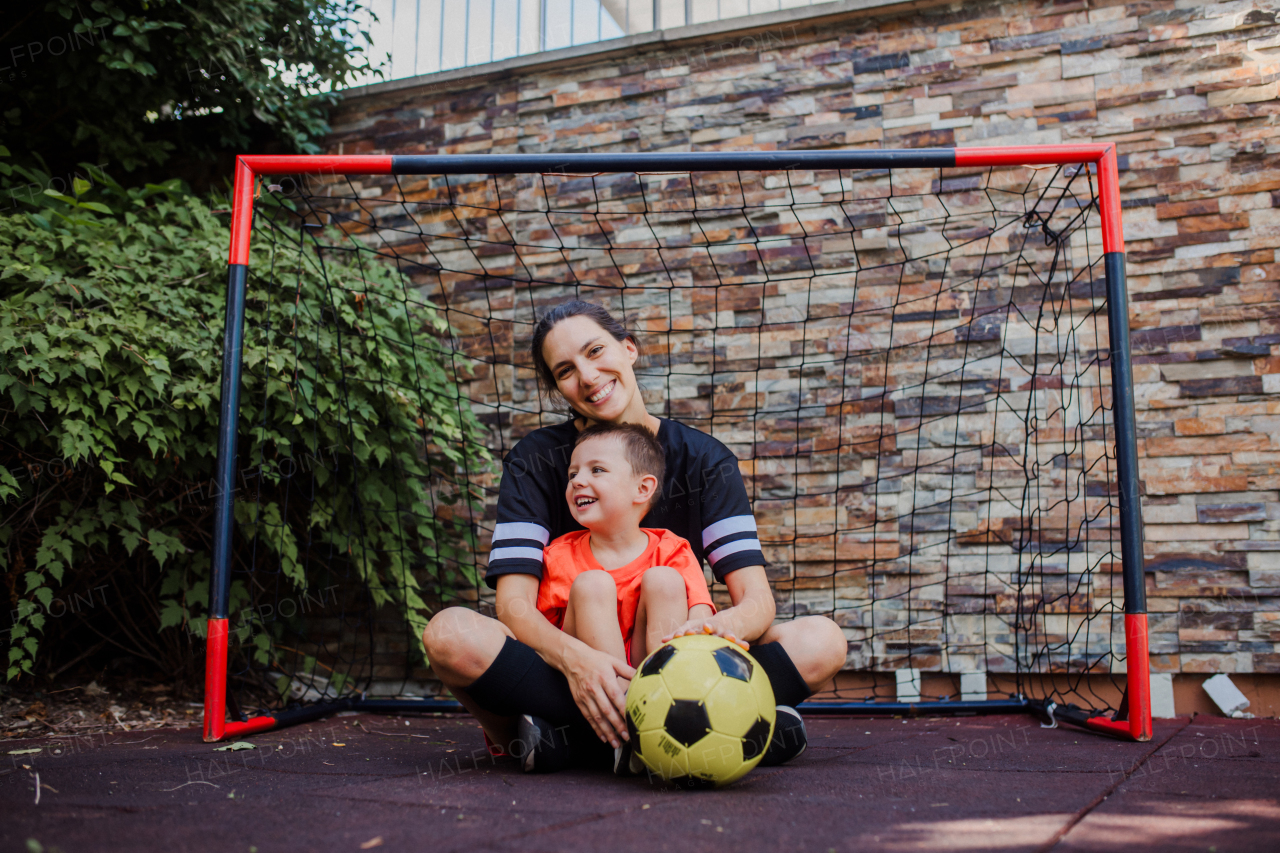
[461,645]
[664,606]
[592,613]
[816,645]
[497,678]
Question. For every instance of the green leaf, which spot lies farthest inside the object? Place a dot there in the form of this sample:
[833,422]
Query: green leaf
[171,615]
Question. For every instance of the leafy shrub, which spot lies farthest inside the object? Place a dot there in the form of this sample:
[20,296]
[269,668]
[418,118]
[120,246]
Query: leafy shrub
[149,84]
[111,320]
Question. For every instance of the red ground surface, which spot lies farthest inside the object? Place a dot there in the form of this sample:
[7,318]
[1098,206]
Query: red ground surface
[352,783]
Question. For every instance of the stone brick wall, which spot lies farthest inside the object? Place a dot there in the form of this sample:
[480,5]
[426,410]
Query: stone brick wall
[1186,91]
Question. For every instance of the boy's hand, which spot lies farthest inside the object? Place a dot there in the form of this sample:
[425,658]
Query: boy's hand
[710,625]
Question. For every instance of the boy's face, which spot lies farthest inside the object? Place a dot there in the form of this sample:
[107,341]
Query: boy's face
[603,490]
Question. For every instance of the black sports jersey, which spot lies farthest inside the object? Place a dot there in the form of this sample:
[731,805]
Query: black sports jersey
[703,499]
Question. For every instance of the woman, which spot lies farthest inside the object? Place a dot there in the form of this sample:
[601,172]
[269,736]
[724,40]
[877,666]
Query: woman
[535,688]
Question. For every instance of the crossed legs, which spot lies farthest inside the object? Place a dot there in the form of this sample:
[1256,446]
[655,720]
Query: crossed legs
[462,644]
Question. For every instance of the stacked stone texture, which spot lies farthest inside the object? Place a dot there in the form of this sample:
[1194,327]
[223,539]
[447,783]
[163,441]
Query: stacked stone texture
[1186,91]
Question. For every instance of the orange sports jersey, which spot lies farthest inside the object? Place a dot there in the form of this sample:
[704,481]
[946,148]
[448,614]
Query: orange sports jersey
[570,556]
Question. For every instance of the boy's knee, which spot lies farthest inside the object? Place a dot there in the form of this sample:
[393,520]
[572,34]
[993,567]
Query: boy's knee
[593,585]
[663,581]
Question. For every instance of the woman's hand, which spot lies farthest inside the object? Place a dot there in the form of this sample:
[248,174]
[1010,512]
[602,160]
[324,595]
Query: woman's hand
[710,625]
[593,680]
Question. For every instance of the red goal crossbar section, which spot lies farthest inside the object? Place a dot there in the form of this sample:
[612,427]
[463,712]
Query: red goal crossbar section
[249,167]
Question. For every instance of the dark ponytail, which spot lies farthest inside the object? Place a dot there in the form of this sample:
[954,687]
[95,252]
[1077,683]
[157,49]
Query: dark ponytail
[574,308]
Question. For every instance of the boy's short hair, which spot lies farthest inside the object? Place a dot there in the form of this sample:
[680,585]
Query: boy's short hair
[644,454]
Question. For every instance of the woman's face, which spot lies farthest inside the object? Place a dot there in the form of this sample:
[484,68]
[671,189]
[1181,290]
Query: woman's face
[593,371]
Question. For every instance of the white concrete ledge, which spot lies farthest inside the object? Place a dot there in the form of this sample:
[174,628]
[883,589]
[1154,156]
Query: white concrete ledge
[656,39]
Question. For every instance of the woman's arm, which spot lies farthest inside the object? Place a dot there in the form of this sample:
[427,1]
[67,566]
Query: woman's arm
[749,617]
[592,675]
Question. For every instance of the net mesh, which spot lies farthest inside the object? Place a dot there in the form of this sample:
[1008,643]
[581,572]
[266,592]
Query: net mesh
[910,365]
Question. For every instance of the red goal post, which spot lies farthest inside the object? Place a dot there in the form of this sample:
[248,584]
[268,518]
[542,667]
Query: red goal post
[1132,721]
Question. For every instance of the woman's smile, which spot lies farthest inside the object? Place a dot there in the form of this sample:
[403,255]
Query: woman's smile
[603,394]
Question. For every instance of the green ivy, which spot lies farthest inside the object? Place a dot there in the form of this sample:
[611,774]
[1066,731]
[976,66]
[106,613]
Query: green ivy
[111,321]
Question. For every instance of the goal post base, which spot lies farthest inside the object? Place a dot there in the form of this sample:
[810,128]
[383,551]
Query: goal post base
[1086,719]
[310,713]
[215,680]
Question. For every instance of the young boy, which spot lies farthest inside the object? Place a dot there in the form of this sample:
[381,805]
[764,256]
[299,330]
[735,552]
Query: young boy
[616,586]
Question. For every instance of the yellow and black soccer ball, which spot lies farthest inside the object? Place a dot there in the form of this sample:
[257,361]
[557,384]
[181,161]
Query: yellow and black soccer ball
[700,711]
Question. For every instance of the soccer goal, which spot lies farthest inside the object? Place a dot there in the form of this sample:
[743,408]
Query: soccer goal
[920,359]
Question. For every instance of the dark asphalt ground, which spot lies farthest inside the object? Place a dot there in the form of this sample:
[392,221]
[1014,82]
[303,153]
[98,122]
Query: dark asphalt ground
[388,783]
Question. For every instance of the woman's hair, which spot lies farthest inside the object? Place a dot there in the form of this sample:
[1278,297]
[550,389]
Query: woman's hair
[575,308]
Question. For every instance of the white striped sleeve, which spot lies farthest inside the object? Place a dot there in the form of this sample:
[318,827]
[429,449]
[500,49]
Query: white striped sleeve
[732,535]
[515,554]
[521,530]
[517,547]
[734,547]
[727,527]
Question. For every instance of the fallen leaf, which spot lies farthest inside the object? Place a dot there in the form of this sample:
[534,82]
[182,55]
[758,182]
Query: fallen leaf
[235,747]
[371,843]
[24,751]
[339,744]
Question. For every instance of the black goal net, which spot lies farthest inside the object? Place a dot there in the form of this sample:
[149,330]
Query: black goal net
[911,366]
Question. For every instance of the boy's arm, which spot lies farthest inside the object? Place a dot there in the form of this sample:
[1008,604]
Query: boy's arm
[592,675]
[749,617]
[674,551]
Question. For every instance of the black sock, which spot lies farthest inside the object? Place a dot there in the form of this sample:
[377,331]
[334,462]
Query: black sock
[788,687]
[520,682]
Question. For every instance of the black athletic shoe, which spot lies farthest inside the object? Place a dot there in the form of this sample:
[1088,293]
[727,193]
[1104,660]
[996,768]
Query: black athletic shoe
[622,759]
[625,760]
[789,737]
[540,748]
